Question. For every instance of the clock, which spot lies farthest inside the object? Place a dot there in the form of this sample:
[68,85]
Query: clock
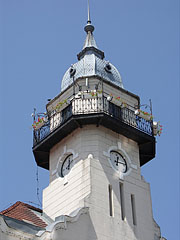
[118,161]
[67,165]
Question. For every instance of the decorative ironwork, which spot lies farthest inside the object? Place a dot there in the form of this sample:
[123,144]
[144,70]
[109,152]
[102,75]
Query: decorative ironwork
[40,134]
[54,121]
[115,111]
[137,122]
[89,106]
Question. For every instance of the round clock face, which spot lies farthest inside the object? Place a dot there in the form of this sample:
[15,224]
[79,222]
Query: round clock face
[118,161]
[67,165]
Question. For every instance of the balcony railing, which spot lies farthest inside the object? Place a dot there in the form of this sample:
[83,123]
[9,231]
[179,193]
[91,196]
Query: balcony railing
[91,106]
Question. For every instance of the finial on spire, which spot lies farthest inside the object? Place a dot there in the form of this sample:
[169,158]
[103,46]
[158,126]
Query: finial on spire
[89,27]
[89,19]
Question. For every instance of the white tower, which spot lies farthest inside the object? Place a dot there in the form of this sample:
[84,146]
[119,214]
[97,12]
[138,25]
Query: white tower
[94,145]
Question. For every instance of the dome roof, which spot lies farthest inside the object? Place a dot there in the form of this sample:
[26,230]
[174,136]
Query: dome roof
[91,63]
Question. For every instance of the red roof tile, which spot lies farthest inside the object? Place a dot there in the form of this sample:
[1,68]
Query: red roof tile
[25,212]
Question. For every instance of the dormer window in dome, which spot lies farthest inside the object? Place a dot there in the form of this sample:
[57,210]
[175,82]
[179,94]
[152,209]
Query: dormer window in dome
[108,67]
[72,71]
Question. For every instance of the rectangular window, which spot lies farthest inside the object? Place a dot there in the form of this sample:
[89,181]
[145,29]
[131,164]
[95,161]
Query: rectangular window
[110,200]
[133,209]
[121,187]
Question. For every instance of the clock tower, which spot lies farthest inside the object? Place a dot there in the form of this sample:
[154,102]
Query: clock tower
[94,140]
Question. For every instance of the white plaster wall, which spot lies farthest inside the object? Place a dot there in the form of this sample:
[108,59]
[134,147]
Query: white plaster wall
[80,229]
[62,197]
[7,233]
[88,185]
[109,89]
[108,227]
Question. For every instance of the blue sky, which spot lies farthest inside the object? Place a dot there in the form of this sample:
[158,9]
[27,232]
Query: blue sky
[39,41]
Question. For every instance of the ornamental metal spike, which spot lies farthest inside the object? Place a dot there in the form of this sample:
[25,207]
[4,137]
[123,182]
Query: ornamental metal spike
[89,27]
[89,19]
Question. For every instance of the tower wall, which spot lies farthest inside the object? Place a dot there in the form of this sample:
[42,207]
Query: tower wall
[87,185]
[113,227]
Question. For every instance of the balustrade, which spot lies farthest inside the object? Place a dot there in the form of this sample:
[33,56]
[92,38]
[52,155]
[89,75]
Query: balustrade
[89,106]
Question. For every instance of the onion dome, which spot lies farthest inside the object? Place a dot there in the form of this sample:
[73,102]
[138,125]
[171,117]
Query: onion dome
[91,62]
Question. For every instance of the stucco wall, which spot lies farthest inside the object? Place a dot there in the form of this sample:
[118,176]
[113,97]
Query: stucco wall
[87,184]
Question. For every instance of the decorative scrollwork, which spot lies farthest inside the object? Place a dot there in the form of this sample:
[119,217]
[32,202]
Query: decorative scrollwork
[144,125]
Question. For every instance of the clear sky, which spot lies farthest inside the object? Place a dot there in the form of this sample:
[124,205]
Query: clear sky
[39,40]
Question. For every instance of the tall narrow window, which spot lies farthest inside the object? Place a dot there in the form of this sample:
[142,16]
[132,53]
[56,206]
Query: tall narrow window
[110,200]
[133,209]
[121,188]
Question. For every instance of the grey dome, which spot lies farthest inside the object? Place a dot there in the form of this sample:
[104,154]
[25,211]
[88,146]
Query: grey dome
[91,63]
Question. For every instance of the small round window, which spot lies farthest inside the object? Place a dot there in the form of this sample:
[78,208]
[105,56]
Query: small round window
[72,71]
[108,68]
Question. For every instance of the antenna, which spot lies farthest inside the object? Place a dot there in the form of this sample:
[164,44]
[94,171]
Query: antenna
[37,190]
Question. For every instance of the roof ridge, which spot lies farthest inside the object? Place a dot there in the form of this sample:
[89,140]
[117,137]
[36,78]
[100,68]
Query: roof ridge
[25,212]
[32,207]
[16,204]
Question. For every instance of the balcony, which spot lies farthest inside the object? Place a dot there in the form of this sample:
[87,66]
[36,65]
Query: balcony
[93,110]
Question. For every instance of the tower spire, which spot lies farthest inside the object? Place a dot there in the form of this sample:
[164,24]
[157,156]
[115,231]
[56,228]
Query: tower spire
[90,43]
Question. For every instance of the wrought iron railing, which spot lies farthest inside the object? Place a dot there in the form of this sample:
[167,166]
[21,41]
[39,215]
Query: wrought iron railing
[81,106]
[130,118]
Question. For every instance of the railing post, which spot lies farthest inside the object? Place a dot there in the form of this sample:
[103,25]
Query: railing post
[34,138]
[151,124]
[102,93]
[73,87]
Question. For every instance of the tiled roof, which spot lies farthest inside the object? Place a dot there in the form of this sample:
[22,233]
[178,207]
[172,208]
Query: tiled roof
[25,212]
